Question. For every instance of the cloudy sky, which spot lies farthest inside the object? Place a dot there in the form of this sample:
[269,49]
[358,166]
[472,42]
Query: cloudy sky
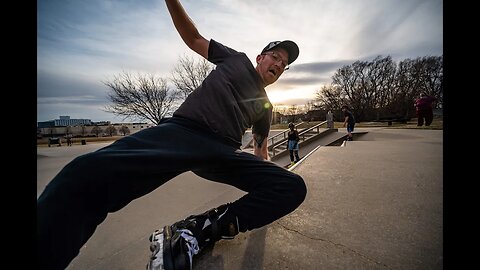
[81,44]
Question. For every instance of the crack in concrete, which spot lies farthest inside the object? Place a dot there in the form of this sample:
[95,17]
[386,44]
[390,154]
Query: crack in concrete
[341,246]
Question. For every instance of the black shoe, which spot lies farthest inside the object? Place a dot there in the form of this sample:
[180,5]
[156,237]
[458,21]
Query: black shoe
[174,247]
[171,250]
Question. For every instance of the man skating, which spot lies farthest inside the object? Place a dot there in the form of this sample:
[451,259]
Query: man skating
[203,136]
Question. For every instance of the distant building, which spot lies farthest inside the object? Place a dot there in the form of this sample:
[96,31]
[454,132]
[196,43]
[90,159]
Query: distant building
[101,123]
[82,127]
[64,121]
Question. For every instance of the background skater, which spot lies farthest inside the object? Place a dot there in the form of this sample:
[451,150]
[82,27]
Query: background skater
[292,143]
[329,117]
[349,121]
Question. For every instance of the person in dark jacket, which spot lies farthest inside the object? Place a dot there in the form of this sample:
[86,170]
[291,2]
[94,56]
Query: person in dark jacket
[292,143]
[349,121]
[424,109]
[203,136]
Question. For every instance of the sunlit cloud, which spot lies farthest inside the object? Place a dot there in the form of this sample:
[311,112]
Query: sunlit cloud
[82,43]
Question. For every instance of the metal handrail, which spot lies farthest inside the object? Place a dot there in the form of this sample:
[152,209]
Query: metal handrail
[303,132]
[317,126]
[272,138]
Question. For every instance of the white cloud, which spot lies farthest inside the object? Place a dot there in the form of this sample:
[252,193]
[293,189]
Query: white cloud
[93,40]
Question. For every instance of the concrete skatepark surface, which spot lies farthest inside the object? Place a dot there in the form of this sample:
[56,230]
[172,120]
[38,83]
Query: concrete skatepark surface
[376,203]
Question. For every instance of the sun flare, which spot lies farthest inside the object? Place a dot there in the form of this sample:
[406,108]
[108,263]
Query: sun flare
[290,97]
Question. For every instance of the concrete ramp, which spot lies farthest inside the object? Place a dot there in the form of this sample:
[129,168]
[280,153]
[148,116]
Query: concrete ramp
[373,204]
[376,203]
[328,139]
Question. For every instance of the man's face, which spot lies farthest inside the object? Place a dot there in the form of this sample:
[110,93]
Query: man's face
[271,64]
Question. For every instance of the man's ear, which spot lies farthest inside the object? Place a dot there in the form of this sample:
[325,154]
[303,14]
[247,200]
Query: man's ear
[259,57]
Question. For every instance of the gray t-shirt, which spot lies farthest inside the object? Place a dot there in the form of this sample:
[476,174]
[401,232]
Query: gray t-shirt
[231,98]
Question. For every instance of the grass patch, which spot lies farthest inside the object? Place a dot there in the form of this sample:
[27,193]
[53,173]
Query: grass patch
[437,124]
[43,142]
[412,124]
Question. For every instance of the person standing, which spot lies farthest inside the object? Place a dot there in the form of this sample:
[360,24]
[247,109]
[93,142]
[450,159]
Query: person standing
[424,109]
[292,143]
[329,119]
[69,140]
[349,121]
[203,136]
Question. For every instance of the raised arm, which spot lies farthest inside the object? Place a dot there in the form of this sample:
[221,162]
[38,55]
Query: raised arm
[186,28]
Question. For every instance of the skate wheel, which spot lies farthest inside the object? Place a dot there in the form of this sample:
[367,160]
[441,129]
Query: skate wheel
[154,247]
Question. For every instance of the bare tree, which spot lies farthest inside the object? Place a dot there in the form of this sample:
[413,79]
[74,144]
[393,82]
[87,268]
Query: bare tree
[292,112]
[366,85]
[329,97]
[145,96]
[310,105]
[68,130]
[408,81]
[84,130]
[124,130]
[423,74]
[382,88]
[97,130]
[432,77]
[188,74]
[111,130]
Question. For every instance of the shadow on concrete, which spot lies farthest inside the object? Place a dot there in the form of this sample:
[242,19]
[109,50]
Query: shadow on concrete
[246,251]
[253,258]
[207,260]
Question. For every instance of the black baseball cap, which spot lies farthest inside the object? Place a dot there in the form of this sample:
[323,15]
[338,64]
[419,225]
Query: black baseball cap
[290,46]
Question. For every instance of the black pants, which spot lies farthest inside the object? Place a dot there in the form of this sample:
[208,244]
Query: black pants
[292,153]
[92,185]
[424,114]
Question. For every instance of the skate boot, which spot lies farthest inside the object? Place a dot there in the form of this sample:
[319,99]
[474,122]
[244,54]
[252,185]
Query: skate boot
[174,246]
